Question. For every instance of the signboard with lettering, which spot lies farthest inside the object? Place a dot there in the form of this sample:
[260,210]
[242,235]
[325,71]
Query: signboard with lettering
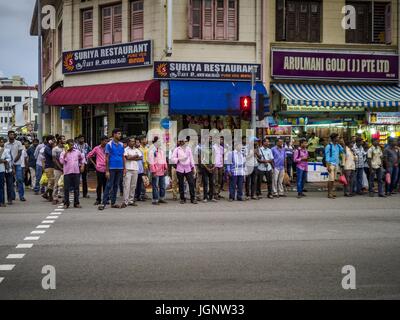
[205,71]
[118,56]
[391,118]
[366,66]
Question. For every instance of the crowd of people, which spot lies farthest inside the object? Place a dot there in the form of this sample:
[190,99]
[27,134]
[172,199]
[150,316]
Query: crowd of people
[56,167]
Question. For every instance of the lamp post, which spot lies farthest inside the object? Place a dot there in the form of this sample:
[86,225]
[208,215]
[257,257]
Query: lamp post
[253,98]
[40,101]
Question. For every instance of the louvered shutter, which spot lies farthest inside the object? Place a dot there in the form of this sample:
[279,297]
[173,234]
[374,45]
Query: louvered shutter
[280,20]
[117,24]
[315,22]
[107,26]
[208,20]
[220,19]
[232,20]
[379,22]
[302,21]
[190,19]
[137,23]
[87,28]
[291,18]
[388,23]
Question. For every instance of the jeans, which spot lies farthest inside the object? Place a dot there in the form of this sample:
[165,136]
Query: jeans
[10,186]
[251,183]
[84,181]
[379,176]
[393,171]
[208,184]
[301,179]
[2,180]
[236,187]
[358,184]
[101,185]
[39,172]
[158,187]
[181,181]
[112,186]
[71,181]
[348,189]
[19,175]
[139,187]
[289,165]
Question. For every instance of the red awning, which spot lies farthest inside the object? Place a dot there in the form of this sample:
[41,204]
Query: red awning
[147,91]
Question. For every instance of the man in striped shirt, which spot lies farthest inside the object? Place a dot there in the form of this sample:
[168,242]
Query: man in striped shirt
[236,169]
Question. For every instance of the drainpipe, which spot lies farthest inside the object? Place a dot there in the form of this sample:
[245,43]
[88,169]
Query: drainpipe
[169,28]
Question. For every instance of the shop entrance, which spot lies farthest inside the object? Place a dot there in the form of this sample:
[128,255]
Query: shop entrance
[132,124]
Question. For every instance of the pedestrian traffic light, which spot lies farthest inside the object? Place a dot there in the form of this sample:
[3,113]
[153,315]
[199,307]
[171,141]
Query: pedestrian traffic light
[245,103]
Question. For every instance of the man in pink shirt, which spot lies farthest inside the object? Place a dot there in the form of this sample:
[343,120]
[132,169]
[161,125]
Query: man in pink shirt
[73,163]
[183,158]
[158,168]
[100,154]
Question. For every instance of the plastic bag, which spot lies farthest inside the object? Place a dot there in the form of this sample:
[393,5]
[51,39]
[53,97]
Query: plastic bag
[44,180]
[365,183]
[343,180]
[388,178]
[61,182]
[167,182]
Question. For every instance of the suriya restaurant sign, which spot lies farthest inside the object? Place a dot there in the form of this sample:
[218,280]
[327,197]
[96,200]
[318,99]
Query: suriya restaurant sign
[366,66]
[119,56]
[205,71]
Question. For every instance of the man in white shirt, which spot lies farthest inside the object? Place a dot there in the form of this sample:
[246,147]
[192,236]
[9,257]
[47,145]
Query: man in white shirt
[131,168]
[265,165]
[5,173]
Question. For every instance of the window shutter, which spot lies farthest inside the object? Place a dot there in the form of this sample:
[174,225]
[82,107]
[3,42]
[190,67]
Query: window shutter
[280,20]
[232,20]
[190,18]
[87,28]
[302,21]
[208,20]
[315,22]
[117,24]
[220,20]
[137,20]
[291,18]
[107,26]
[196,19]
[388,23]
[379,22]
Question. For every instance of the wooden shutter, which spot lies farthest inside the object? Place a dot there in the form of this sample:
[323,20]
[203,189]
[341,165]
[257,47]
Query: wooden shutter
[107,26]
[190,19]
[362,33]
[208,20]
[220,19]
[137,20]
[280,20]
[291,21]
[315,22]
[117,23]
[302,26]
[388,23]
[379,9]
[196,21]
[87,28]
[232,31]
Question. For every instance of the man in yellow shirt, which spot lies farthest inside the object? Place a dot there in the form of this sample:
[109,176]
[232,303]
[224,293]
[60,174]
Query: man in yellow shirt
[144,148]
[313,143]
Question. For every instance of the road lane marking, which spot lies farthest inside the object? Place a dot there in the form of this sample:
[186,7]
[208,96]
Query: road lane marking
[58,209]
[38,231]
[48,221]
[24,246]
[52,217]
[1,280]
[31,238]
[15,256]
[56,213]
[43,226]
[6,267]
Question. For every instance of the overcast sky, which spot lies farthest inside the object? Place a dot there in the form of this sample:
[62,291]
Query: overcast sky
[18,50]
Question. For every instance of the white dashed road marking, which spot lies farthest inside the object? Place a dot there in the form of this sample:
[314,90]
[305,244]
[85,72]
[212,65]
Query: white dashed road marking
[43,226]
[1,280]
[24,246]
[58,209]
[31,238]
[48,221]
[6,267]
[38,231]
[15,256]
[52,217]
[56,213]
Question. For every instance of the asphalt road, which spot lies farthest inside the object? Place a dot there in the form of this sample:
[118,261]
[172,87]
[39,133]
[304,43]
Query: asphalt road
[268,249]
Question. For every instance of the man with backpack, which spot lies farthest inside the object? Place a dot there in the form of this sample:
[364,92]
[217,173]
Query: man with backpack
[332,155]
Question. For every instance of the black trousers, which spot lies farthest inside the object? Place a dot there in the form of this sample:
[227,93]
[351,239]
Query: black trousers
[208,184]
[251,183]
[71,181]
[101,184]
[181,181]
[139,187]
[84,181]
[268,176]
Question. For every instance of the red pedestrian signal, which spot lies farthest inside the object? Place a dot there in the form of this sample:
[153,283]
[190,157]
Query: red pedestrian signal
[245,103]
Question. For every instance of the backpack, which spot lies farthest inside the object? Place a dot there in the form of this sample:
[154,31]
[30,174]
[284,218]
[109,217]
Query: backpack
[330,154]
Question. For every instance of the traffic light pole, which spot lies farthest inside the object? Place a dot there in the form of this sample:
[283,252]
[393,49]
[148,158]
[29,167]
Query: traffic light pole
[253,99]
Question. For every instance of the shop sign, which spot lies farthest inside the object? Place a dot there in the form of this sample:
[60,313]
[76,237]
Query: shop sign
[384,118]
[325,64]
[121,109]
[118,56]
[205,71]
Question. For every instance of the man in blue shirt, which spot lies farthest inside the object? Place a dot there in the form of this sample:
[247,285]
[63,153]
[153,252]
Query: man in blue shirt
[332,157]
[114,168]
